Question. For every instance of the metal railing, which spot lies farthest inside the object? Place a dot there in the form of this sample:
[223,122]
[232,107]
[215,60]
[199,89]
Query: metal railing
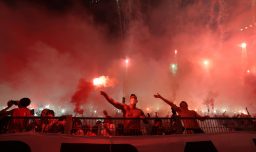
[98,126]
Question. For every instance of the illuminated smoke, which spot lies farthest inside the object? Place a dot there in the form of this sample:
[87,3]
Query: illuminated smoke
[210,101]
[46,50]
[102,81]
[81,95]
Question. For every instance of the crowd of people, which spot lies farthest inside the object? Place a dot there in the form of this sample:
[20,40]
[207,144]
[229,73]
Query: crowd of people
[22,119]
[134,122]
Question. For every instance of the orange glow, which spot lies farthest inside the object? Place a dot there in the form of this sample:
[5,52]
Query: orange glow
[100,81]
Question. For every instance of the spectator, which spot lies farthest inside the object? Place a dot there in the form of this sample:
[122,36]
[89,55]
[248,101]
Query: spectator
[77,128]
[189,117]
[4,120]
[108,125]
[176,124]
[20,124]
[50,124]
[157,128]
[131,126]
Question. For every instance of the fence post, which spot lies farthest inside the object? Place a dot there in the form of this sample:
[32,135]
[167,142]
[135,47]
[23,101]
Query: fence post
[68,124]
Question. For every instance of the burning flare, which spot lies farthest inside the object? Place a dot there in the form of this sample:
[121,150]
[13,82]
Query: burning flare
[102,81]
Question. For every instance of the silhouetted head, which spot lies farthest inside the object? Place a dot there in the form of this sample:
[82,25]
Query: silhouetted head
[44,112]
[50,113]
[133,99]
[24,102]
[183,105]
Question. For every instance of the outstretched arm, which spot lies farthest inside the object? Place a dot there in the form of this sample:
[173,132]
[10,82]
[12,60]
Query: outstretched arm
[112,101]
[4,111]
[167,101]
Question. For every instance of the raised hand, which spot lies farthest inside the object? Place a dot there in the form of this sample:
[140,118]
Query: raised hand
[103,93]
[11,103]
[157,95]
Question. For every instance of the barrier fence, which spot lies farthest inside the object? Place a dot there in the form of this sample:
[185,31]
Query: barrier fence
[98,126]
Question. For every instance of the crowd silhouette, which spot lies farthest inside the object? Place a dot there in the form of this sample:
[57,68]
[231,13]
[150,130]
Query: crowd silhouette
[17,117]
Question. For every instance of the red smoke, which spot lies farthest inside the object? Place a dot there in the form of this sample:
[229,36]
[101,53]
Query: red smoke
[44,52]
[81,95]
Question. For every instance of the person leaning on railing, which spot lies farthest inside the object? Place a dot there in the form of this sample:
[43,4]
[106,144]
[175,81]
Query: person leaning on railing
[189,117]
[20,124]
[108,125]
[176,124]
[51,124]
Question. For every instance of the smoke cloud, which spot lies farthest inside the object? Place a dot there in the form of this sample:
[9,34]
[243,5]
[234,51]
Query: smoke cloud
[47,48]
[81,95]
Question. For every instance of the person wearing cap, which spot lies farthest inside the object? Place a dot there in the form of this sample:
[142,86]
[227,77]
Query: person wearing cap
[18,124]
[189,116]
[131,126]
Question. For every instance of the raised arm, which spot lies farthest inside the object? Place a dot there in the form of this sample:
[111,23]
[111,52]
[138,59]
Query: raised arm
[167,101]
[4,110]
[9,105]
[112,101]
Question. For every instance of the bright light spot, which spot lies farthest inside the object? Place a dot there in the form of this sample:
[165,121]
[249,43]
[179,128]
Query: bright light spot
[251,25]
[63,111]
[148,109]
[175,52]
[173,68]
[224,110]
[100,81]
[47,106]
[241,29]
[95,111]
[248,71]
[206,62]
[126,61]
[246,27]
[214,111]
[157,109]
[243,45]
